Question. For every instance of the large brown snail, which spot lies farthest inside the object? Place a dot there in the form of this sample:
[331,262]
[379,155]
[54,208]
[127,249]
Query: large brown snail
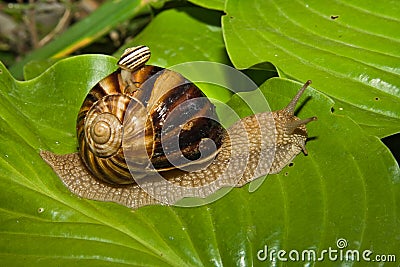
[139,144]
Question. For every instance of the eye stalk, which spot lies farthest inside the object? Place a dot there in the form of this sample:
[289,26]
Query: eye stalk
[291,133]
[289,109]
[292,125]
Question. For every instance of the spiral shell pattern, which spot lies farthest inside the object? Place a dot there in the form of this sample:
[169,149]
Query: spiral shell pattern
[99,129]
[103,125]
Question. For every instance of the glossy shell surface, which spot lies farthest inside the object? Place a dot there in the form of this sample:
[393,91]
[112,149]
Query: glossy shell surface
[156,93]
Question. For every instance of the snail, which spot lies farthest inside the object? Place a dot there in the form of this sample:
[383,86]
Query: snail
[140,144]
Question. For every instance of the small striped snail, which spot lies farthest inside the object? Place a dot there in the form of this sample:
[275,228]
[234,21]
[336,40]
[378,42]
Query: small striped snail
[132,152]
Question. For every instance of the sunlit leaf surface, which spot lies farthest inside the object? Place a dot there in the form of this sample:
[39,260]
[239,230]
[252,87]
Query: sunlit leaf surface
[350,49]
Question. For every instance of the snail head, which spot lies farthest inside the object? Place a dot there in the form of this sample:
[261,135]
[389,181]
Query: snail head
[291,130]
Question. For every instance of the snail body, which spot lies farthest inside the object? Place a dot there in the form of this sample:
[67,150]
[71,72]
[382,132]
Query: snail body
[125,130]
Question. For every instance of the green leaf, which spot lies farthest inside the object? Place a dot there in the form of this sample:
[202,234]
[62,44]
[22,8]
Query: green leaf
[40,98]
[34,68]
[349,49]
[101,21]
[211,4]
[348,187]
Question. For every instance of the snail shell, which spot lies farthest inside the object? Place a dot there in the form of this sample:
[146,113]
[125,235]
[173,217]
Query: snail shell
[153,93]
[122,121]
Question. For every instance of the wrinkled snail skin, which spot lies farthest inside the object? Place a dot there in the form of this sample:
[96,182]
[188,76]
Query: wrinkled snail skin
[252,147]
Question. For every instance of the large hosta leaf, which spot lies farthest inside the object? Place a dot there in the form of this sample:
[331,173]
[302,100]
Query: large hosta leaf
[350,49]
[348,187]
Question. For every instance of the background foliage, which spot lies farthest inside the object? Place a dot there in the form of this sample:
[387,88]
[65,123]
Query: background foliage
[348,186]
